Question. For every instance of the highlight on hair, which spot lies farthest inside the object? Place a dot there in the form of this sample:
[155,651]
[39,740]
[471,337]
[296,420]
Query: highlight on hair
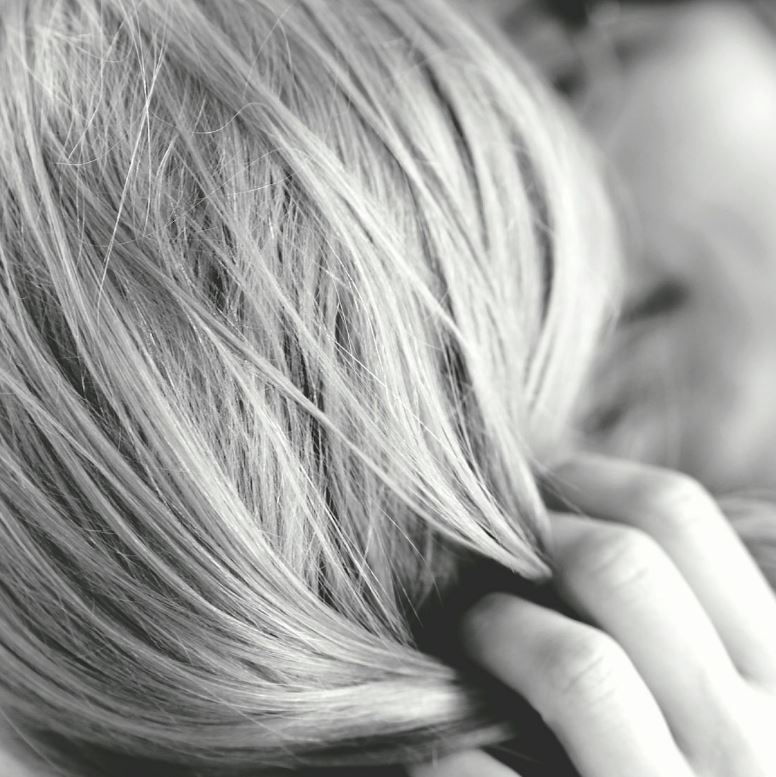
[295,300]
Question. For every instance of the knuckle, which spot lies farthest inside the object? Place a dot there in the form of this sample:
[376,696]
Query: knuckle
[618,557]
[586,668]
[673,500]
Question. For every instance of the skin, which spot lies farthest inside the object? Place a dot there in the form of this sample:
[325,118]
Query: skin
[673,671]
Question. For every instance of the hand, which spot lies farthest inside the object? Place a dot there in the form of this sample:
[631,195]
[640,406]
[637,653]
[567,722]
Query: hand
[676,676]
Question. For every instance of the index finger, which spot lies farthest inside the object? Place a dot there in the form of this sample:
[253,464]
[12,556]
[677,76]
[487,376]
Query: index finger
[581,683]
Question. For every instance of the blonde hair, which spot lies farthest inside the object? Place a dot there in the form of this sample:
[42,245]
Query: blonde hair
[296,300]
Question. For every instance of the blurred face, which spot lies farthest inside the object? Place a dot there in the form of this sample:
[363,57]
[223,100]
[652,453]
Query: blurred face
[682,101]
[691,131]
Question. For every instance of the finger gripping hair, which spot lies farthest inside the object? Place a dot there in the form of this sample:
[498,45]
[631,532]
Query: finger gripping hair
[294,298]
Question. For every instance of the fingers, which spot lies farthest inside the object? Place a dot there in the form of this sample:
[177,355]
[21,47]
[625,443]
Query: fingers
[581,682]
[623,582]
[685,521]
[471,764]
[754,520]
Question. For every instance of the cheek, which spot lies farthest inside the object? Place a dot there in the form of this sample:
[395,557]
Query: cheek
[693,389]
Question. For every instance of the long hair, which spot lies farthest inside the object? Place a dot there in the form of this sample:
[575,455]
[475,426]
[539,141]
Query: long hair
[296,299]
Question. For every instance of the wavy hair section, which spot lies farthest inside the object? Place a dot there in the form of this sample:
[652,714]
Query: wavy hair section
[295,301]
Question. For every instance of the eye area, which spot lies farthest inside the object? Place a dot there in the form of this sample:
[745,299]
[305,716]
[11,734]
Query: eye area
[663,299]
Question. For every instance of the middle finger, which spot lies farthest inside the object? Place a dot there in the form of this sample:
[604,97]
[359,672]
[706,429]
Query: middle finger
[686,522]
[626,585]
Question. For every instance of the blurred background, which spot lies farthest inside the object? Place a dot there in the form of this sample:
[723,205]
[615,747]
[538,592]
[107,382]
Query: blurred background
[680,97]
